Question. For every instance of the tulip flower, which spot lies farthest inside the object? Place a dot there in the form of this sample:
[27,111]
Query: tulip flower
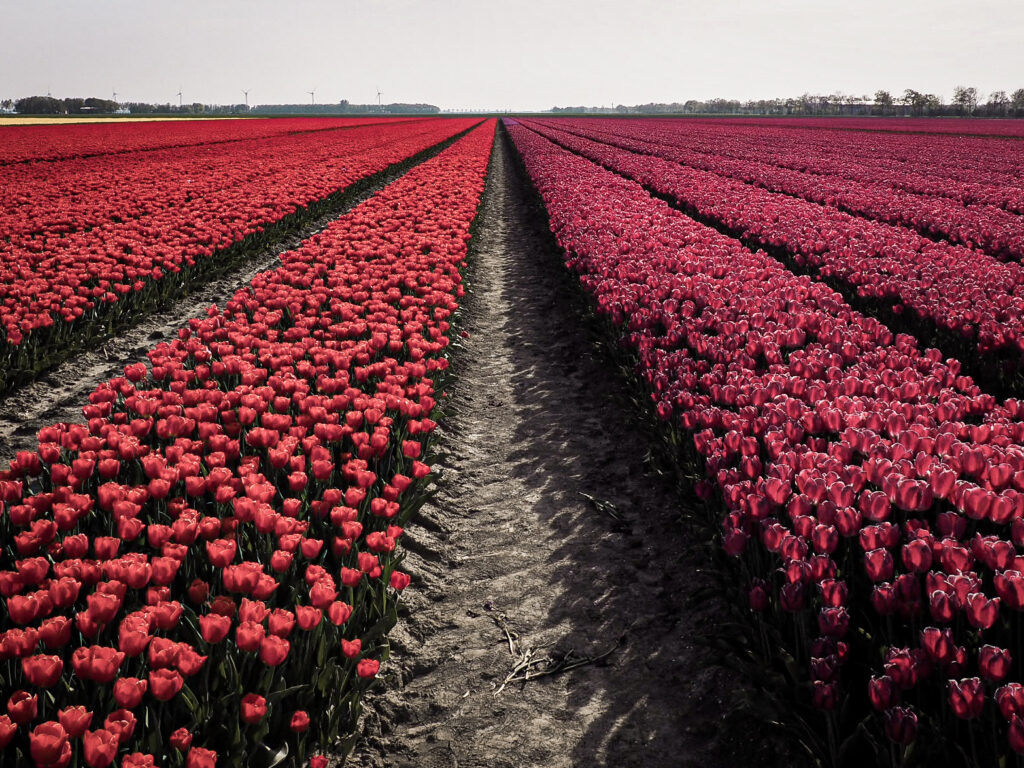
[128,691]
[900,725]
[994,663]
[201,758]
[254,708]
[181,740]
[42,671]
[75,720]
[300,721]
[966,697]
[164,684]
[100,748]
[368,668]
[47,742]
[22,707]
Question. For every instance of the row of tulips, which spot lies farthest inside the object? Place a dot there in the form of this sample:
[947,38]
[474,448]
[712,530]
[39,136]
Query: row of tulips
[971,303]
[171,217]
[873,494]
[204,571]
[43,204]
[34,143]
[965,127]
[972,171]
[997,232]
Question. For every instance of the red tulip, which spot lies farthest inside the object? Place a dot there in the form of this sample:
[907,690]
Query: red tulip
[351,649]
[758,598]
[96,663]
[164,684]
[825,695]
[75,720]
[307,616]
[879,564]
[128,691]
[122,723]
[8,729]
[367,668]
[22,707]
[1010,699]
[249,635]
[939,644]
[339,612]
[47,743]
[1016,734]
[214,627]
[181,739]
[42,671]
[882,692]
[201,758]
[254,708]
[900,725]
[274,650]
[966,697]
[982,612]
[299,722]
[994,663]
[100,748]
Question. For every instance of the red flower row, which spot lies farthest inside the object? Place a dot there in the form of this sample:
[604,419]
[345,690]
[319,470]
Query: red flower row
[969,127]
[26,143]
[94,232]
[966,292]
[973,171]
[210,561]
[990,229]
[873,492]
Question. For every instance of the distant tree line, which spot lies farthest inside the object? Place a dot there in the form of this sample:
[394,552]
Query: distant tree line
[47,105]
[966,102]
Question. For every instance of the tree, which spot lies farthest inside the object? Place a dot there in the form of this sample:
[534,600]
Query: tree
[100,105]
[1017,102]
[914,100]
[40,105]
[884,102]
[997,103]
[966,99]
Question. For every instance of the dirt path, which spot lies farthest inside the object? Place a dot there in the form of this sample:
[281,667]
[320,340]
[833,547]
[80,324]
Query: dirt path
[536,422]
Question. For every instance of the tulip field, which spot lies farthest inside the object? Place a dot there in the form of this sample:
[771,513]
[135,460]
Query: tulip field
[869,491]
[219,534]
[827,320]
[150,220]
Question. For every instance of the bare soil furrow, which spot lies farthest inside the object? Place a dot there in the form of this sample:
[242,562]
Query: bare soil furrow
[551,539]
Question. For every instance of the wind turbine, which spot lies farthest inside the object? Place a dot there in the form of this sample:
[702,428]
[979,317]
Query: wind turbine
[246,96]
[115,97]
[179,99]
[379,108]
[312,97]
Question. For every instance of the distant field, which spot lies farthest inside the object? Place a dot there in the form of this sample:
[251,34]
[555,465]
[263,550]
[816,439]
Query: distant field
[69,119]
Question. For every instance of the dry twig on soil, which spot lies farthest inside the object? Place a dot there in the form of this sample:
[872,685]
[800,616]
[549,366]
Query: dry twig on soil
[602,505]
[523,670]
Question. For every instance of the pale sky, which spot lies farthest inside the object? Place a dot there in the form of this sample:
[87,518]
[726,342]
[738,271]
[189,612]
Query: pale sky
[517,54]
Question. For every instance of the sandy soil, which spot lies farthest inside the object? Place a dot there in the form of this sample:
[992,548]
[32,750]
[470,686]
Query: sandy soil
[550,539]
